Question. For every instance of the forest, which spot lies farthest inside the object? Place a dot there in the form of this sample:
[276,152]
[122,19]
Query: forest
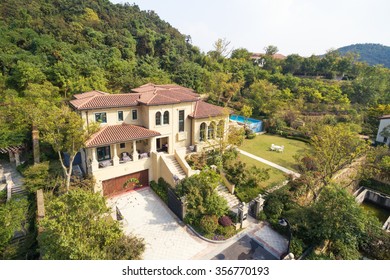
[54,49]
[51,50]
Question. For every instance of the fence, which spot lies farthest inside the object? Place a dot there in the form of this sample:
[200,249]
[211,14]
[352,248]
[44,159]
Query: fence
[176,204]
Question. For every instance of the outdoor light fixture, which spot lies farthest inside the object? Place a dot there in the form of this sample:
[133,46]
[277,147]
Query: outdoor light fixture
[284,222]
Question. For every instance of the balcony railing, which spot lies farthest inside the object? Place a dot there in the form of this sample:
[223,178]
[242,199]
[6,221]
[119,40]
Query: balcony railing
[105,163]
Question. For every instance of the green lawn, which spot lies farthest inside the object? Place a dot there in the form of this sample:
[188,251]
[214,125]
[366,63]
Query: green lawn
[260,146]
[276,176]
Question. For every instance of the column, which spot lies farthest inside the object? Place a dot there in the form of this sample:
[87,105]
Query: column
[94,163]
[11,157]
[153,144]
[17,158]
[115,158]
[135,153]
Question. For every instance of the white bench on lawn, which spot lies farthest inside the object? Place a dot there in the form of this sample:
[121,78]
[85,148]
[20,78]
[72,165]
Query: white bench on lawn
[277,148]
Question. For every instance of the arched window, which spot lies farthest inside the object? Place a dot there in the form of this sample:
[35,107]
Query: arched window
[202,133]
[166,117]
[211,131]
[158,118]
[220,128]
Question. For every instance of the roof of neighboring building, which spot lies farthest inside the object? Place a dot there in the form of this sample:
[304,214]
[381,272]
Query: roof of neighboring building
[275,56]
[149,94]
[205,110]
[111,134]
[385,117]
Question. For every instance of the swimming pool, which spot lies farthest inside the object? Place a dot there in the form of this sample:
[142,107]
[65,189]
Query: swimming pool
[254,125]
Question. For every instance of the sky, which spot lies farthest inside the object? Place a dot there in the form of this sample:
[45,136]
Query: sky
[303,27]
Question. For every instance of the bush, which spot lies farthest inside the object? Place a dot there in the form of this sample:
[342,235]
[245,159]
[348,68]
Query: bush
[225,221]
[251,135]
[296,247]
[261,216]
[209,223]
[161,189]
[227,232]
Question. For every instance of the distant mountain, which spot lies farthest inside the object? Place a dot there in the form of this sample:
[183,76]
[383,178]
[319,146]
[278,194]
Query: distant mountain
[373,54]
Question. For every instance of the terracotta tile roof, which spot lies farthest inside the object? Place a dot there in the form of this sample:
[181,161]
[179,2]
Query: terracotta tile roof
[111,134]
[165,94]
[205,110]
[148,94]
[385,117]
[275,56]
[89,94]
[99,101]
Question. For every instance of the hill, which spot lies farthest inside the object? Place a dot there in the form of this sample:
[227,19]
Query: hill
[77,45]
[373,54]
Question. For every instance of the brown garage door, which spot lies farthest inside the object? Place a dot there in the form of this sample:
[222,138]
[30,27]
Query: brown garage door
[115,185]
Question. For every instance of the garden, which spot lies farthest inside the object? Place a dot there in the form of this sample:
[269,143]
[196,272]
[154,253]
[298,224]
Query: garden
[260,146]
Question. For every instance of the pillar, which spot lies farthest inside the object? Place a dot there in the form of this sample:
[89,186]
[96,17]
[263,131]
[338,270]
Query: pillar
[36,150]
[11,157]
[17,158]
[135,153]
[94,163]
[153,147]
[115,158]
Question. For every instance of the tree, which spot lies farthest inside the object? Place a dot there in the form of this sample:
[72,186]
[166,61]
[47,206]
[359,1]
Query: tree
[271,50]
[333,149]
[201,195]
[12,214]
[64,130]
[338,223]
[221,49]
[77,227]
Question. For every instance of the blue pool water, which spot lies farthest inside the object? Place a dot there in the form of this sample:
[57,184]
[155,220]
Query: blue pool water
[254,125]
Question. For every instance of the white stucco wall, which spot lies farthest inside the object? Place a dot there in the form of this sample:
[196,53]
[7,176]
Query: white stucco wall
[383,123]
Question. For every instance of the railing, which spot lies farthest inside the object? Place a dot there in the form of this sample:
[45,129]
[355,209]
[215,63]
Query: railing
[105,163]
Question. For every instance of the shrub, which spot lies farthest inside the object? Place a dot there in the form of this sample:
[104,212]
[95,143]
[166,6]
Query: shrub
[227,232]
[251,135]
[225,221]
[209,223]
[296,247]
[161,189]
[261,216]
[37,176]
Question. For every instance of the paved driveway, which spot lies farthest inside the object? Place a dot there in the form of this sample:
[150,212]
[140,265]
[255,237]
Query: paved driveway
[145,215]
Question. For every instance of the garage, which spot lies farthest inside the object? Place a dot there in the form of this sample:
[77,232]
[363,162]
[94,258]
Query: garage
[115,186]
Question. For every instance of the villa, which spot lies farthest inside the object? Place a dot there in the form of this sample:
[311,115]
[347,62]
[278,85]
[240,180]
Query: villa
[384,122]
[145,134]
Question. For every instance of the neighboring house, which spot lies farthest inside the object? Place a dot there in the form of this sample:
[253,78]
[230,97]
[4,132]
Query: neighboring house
[145,134]
[384,122]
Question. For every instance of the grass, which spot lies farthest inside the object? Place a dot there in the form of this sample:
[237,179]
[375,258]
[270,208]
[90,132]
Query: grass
[260,146]
[276,176]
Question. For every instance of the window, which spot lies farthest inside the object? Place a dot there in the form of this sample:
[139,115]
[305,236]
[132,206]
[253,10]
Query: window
[122,145]
[134,114]
[158,118]
[103,153]
[202,132]
[166,117]
[385,140]
[120,116]
[210,131]
[181,120]
[220,128]
[101,117]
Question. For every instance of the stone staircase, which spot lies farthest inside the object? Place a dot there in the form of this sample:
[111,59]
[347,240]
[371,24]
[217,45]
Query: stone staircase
[174,166]
[231,199]
[18,190]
